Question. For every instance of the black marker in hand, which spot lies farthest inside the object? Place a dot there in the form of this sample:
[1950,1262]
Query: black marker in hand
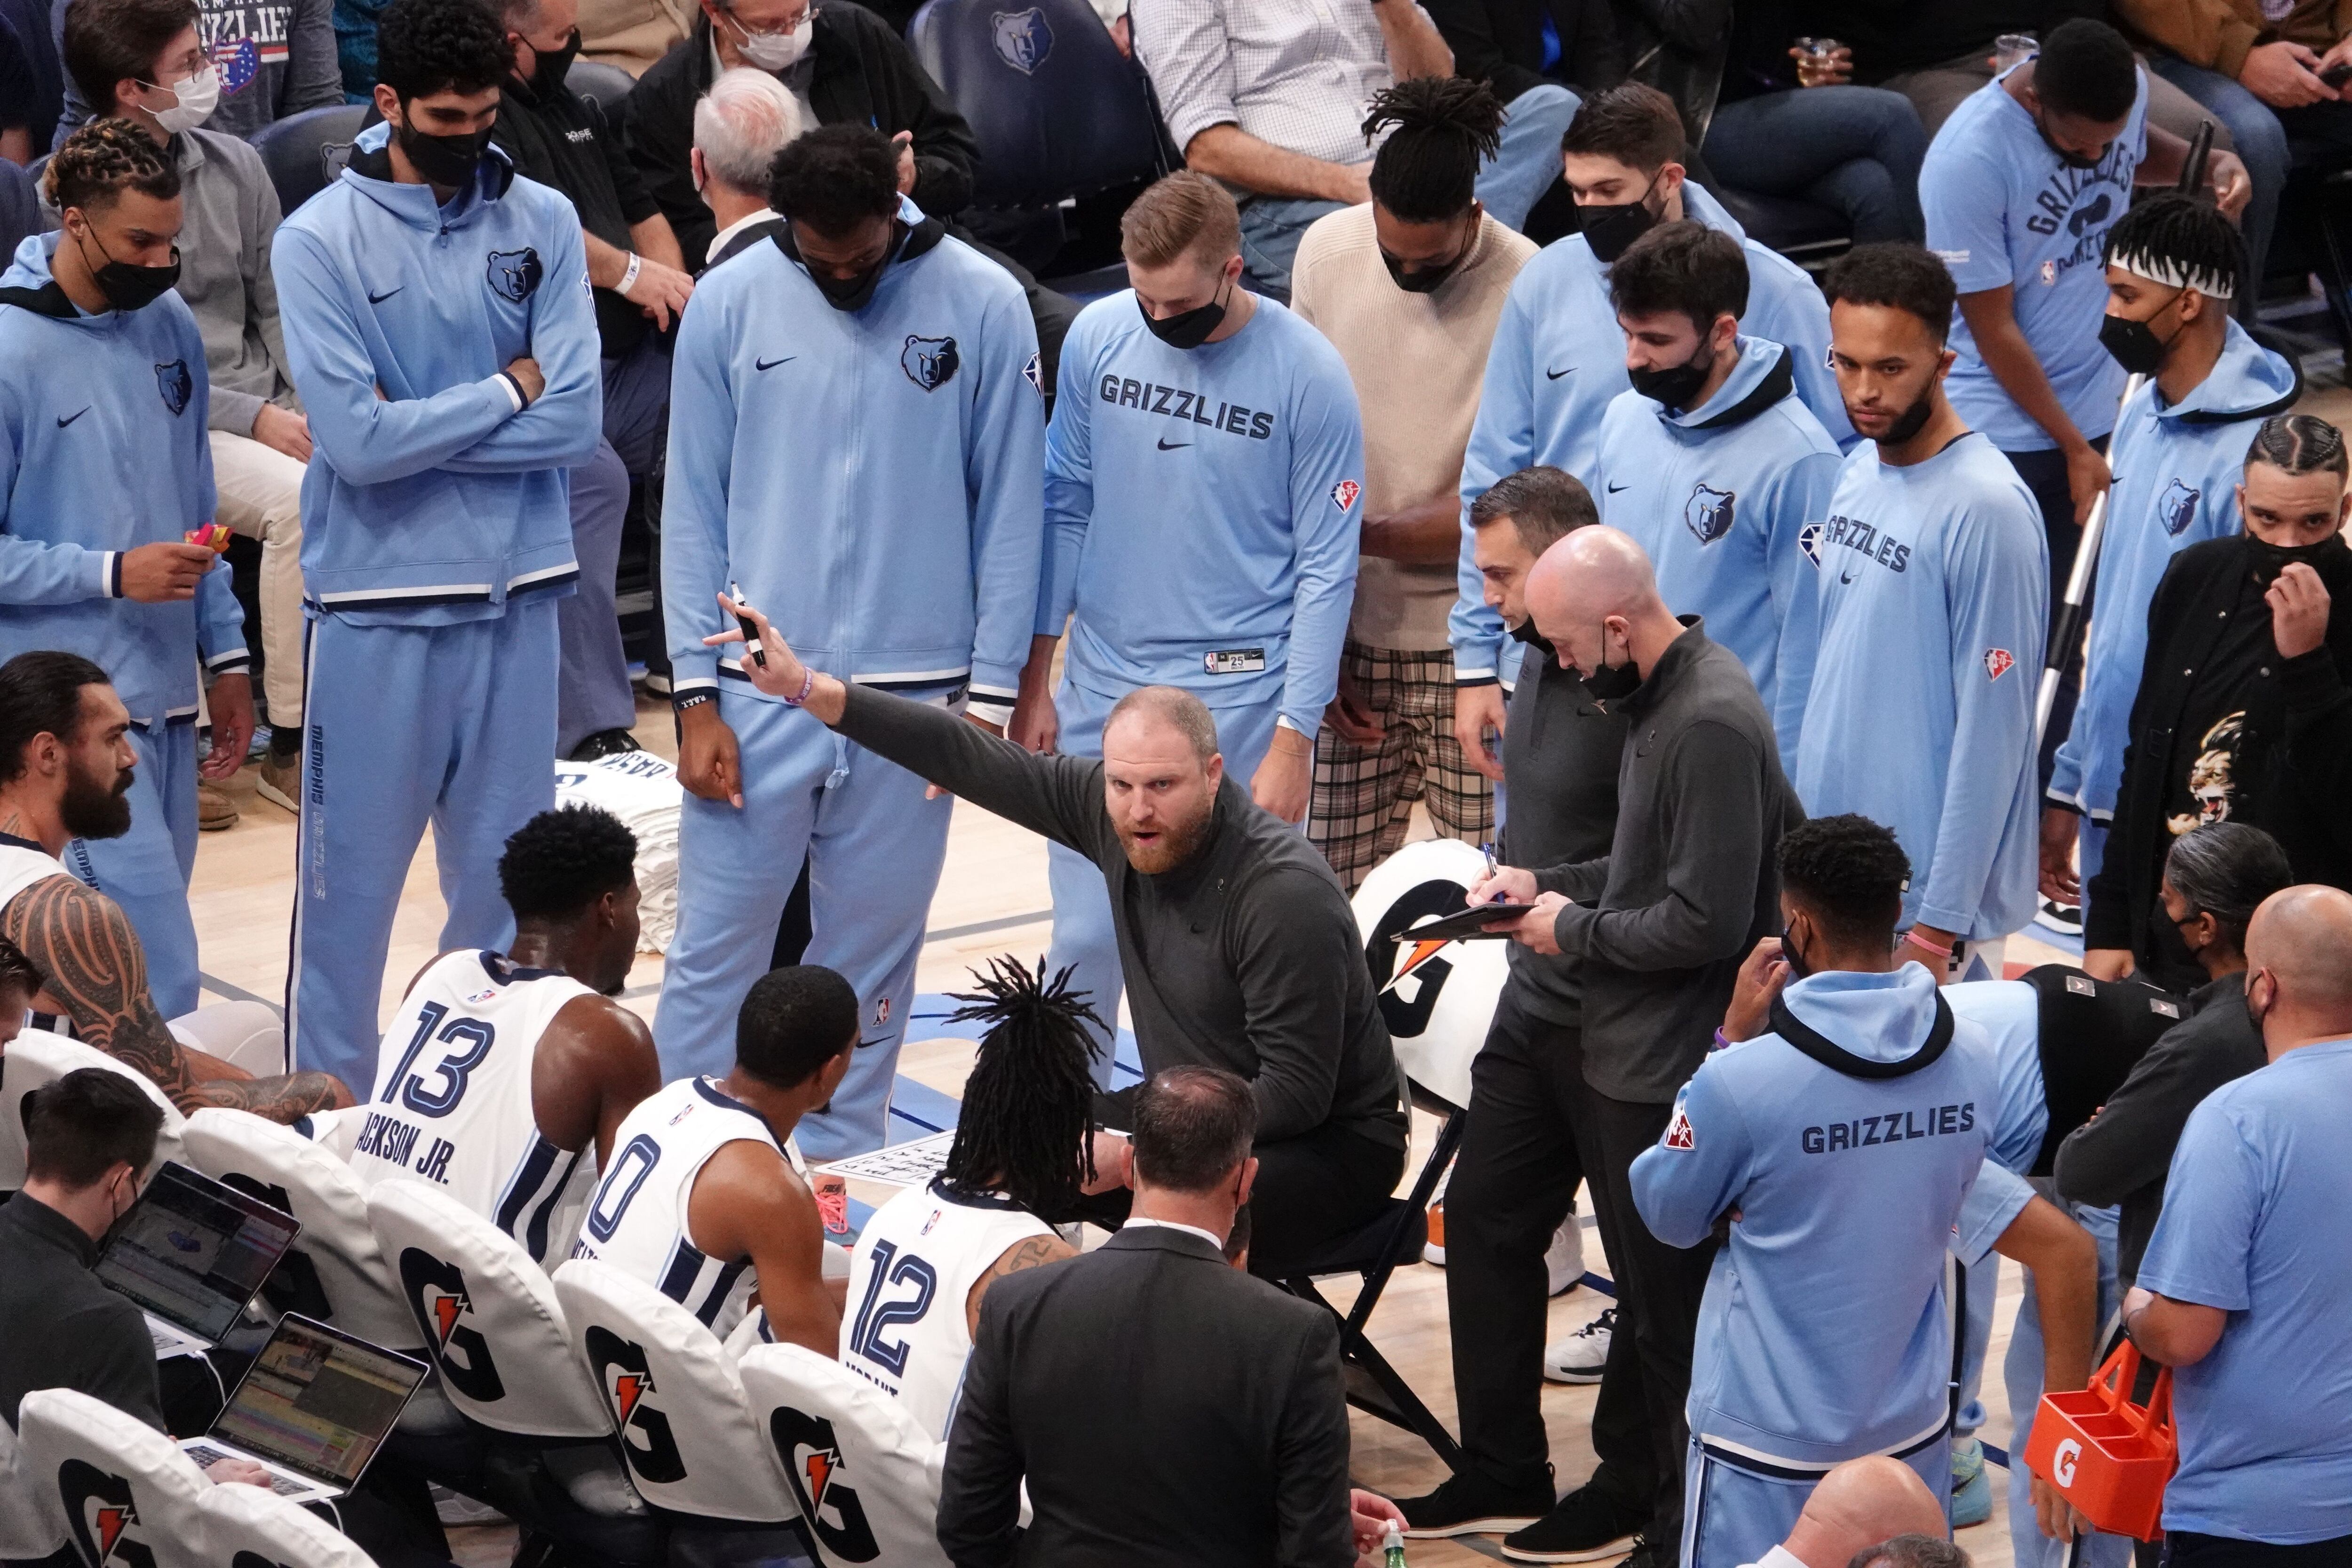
[750,633]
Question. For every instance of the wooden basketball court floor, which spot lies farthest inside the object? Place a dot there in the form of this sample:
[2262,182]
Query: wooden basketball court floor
[993,898]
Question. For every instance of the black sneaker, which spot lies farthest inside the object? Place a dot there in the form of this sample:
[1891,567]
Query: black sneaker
[1472,1505]
[604,744]
[1581,1527]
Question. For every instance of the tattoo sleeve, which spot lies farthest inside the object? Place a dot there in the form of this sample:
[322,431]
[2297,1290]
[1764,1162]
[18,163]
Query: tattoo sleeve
[81,941]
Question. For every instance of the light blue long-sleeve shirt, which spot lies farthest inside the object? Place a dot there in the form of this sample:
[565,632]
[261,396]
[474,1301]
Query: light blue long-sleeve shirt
[871,478]
[1203,510]
[1559,360]
[1825,1334]
[103,449]
[433,496]
[1933,582]
[1717,495]
[2176,469]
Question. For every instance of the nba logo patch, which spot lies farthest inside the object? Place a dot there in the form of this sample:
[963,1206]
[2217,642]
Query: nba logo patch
[1998,661]
[1809,544]
[1344,493]
[2049,273]
[1679,1134]
[683,1113]
[487,993]
[929,1223]
[881,1012]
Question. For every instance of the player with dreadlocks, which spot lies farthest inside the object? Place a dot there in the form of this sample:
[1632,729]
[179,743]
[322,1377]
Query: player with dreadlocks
[927,1257]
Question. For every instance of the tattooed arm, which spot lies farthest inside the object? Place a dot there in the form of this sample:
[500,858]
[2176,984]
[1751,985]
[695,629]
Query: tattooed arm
[97,976]
[1030,1252]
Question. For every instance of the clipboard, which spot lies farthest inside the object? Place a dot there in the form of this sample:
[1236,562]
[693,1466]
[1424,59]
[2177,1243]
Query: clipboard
[1469,925]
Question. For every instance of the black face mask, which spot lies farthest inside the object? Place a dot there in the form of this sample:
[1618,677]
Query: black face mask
[2071,160]
[443,160]
[2134,344]
[553,64]
[130,288]
[2270,559]
[1612,682]
[1608,229]
[1189,329]
[853,294]
[1798,967]
[1430,278]
[1675,387]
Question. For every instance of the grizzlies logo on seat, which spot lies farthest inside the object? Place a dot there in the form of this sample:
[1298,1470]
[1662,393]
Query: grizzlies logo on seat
[929,363]
[176,384]
[2177,508]
[1022,37]
[515,274]
[1708,513]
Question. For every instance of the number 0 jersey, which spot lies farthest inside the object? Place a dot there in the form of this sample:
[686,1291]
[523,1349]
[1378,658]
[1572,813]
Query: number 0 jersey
[452,1101]
[918,1259]
[637,1220]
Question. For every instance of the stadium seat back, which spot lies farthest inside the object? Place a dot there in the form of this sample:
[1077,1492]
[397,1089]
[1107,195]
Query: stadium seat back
[603,85]
[867,1476]
[336,1271]
[1058,111]
[246,1527]
[36,1058]
[119,1492]
[29,1528]
[490,1321]
[306,152]
[686,1426]
[1436,1000]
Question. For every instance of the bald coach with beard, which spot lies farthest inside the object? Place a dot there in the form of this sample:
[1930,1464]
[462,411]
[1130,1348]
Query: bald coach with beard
[1239,947]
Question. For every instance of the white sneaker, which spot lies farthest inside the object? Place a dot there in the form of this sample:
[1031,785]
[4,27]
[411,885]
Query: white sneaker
[1433,1249]
[1564,1260]
[1579,1357]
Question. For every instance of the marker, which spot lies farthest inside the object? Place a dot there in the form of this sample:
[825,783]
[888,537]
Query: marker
[1488,851]
[751,634]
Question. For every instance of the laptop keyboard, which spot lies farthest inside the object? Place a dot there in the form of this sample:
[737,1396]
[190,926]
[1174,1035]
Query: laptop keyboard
[206,1456]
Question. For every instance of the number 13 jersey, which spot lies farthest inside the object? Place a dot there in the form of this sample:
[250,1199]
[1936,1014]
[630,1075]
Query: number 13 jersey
[452,1102]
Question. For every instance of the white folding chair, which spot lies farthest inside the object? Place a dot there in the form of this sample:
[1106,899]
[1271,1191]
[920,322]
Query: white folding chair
[29,1528]
[866,1475]
[36,1059]
[112,1482]
[252,1527]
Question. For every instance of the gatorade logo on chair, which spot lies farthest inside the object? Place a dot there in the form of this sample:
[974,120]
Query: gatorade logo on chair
[103,1518]
[646,1439]
[812,1458]
[436,1291]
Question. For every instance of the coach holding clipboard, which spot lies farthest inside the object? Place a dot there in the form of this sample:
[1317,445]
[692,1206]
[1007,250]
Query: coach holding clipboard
[1239,947]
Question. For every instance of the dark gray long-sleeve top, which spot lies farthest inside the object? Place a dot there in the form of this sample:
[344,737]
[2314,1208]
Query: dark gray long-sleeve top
[1662,921]
[1246,957]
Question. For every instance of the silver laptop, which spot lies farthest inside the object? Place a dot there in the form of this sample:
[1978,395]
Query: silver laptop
[312,1410]
[193,1252]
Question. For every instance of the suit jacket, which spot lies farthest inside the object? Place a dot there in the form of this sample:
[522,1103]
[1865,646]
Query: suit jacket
[1165,1408]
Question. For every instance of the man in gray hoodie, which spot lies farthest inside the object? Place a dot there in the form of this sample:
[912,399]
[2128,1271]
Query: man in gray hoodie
[145,61]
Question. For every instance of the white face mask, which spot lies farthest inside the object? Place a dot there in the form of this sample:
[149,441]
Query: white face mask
[197,98]
[774,51]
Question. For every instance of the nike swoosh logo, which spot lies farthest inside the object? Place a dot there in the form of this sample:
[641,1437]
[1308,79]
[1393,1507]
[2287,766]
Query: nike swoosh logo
[1615,488]
[374,298]
[65,419]
[1845,576]
[1167,446]
[1556,375]
[772,363]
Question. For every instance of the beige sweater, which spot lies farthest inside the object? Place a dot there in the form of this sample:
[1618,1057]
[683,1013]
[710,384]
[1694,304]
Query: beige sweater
[1417,361]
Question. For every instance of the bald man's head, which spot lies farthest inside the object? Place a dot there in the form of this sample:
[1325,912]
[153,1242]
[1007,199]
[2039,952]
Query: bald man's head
[1595,599]
[2299,965]
[1861,1503]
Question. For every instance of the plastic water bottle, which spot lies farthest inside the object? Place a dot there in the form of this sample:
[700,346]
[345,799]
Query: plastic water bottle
[1393,1547]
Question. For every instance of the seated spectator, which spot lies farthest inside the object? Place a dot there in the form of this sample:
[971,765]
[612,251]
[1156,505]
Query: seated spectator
[20,92]
[732,1197]
[632,33]
[267,62]
[2255,65]
[564,141]
[20,206]
[355,22]
[1852,1509]
[2243,701]
[2243,1286]
[1516,45]
[739,125]
[36,37]
[843,64]
[64,769]
[1271,100]
[260,442]
[2214,879]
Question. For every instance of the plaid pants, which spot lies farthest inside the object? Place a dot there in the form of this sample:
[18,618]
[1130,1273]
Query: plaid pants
[1363,797]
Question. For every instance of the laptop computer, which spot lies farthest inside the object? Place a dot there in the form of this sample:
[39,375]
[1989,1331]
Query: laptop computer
[193,1252]
[312,1409]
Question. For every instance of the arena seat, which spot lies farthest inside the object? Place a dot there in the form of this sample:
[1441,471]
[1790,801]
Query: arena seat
[336,1259]
[496,1333]
[246,1527]
[603,85]
[29,1529]
[112,1483]
[867,1475]
[304,152]
[36,1058]
[1810,235]
[1057,110]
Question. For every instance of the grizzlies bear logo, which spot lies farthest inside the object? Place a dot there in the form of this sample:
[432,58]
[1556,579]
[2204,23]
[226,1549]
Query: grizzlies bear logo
[2177,508]
[176,385]
[929,363]
[1708,514]
[1022,39]
[515,274]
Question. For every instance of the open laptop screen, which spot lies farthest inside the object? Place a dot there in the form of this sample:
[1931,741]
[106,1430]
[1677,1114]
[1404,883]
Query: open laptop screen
[193,1251]
[318,1401]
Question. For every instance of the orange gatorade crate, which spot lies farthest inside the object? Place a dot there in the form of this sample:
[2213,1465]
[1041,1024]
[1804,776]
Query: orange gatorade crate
[2109,1457]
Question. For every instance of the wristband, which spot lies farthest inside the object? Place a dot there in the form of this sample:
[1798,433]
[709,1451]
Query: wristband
[1722,1042]
[808,684]
[691,699]
[629,279]
[1924,946]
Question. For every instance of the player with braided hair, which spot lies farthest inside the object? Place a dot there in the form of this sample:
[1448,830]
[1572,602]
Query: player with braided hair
[106,465]
[1021,1152]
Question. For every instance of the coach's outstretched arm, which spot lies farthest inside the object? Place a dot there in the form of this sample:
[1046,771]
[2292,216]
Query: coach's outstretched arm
[1058,796]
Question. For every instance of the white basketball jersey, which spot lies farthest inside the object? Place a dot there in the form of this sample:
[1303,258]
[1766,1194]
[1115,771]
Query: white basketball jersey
[452,1101]
[918,1259]
[636,1221]
[24,863]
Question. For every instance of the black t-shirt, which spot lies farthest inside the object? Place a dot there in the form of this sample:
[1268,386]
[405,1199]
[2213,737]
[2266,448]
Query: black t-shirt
[563,141]
[2233,708]
[60,1328]
[1888,37]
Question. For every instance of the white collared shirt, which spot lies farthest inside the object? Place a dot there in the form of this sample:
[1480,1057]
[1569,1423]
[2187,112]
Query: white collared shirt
[1212,1237]
[719,241]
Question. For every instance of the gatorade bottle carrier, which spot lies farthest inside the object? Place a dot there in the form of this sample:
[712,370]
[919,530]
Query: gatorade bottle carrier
[2109,1457]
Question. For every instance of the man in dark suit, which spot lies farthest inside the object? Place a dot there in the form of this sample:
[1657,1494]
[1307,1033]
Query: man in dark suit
[1164,1407]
